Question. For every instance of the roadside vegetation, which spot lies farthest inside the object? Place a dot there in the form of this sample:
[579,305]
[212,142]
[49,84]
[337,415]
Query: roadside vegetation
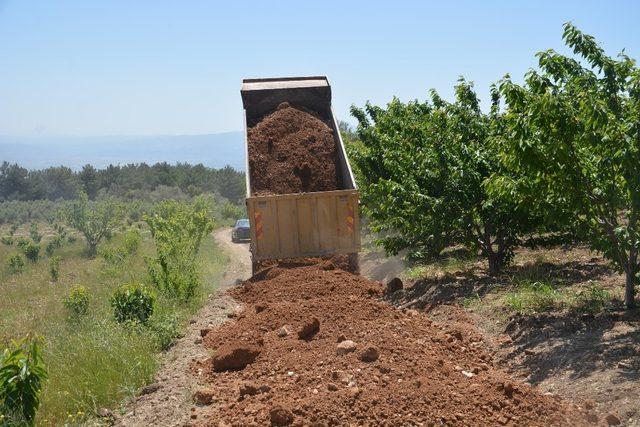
[87,304]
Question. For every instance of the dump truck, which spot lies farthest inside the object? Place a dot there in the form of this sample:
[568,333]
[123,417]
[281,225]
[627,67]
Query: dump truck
[300,225]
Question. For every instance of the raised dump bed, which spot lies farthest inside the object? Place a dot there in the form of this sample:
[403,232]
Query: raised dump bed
[303,222]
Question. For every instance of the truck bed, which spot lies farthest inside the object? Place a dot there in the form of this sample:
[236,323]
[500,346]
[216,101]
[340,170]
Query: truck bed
[301,224]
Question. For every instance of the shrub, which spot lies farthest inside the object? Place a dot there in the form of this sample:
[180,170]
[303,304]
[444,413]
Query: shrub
[54,267]
[77,302]
[7,240]
[31,251]
[132,303]
[22,373]
[33,232]
[13,229]
[16,263]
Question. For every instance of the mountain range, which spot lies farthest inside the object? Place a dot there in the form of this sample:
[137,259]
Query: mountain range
[213,150]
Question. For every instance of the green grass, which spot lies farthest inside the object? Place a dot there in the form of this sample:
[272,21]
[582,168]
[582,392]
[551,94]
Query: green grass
[534,297]
[93,362]
[539,297]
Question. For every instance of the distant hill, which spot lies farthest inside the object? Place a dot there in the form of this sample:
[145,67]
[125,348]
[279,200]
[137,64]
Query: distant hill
[214,150]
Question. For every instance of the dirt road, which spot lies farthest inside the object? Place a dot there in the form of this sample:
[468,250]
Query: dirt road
[167,402]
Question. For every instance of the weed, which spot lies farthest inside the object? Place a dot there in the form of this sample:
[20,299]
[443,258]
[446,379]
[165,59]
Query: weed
[7,240]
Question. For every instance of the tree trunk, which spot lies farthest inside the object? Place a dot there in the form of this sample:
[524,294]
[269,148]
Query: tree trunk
[92,250]
[495,263]
[629,290]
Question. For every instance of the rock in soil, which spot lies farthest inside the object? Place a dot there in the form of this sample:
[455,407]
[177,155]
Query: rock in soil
[309,329]
[346,346]
[284,331]
[369,354]
[204,396]
[612,420]
[234,357]
[151,388]
[250,389]
[280,416]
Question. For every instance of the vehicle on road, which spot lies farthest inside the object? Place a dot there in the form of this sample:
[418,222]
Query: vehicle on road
[241,231]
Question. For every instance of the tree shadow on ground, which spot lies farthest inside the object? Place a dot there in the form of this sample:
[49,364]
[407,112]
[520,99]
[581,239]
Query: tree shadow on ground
[473,282]
[430,292]
[580,345]
[564,274]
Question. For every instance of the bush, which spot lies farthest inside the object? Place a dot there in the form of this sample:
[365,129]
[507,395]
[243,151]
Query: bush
[132,303]
[22,373]
[31,251]
[77,302]
[7,240]
[54,267]
[16,263]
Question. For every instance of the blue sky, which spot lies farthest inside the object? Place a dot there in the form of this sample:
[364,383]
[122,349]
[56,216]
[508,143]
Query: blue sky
[174,67]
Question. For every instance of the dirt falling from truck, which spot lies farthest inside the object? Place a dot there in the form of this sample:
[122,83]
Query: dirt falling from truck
[292,151]
[317,346]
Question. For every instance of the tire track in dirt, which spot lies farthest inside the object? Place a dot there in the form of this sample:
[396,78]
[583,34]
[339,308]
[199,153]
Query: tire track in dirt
[167,402]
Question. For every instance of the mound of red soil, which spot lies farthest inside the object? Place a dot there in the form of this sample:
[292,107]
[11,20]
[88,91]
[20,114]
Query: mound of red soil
[400,368]
[292,151]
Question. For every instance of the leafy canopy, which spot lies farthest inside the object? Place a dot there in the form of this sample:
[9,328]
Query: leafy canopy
[575,146]
[423,169]
[95,220]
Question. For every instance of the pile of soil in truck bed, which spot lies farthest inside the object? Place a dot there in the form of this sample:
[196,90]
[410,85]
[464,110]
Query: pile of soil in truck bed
[292,151]
[317,346]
